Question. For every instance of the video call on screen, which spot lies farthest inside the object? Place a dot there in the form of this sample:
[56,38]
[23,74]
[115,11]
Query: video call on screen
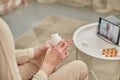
[109,30]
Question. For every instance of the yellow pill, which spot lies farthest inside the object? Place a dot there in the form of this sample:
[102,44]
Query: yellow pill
[106,55]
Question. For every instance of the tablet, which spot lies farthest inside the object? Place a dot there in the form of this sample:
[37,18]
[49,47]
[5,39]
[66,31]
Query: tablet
[109,30]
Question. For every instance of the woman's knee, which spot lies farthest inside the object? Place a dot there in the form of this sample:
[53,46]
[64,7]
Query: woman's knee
[81,68]
[79,64]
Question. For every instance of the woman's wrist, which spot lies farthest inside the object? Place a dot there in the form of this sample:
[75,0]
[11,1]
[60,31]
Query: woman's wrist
[39,50]
[36,51]
[47,68]
[41,74]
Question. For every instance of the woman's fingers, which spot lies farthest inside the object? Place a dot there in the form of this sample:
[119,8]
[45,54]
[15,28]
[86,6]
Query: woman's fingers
[69,42]
[65,55]
[60,44]
[65,46]
[65,51]
[49,43]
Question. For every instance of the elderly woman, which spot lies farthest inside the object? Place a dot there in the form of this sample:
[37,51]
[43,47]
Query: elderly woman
[37,63]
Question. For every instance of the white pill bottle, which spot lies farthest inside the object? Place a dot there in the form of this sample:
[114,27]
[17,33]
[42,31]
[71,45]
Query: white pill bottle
[55,38]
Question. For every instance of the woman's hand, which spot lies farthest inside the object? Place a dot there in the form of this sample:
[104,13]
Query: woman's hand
[55,55]
[41,50]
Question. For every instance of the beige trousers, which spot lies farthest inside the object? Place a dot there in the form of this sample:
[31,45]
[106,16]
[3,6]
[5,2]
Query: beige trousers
[9,70]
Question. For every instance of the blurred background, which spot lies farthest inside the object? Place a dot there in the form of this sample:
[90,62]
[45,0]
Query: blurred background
[23,14]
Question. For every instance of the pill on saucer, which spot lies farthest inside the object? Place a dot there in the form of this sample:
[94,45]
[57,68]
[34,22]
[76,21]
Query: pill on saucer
[85,43]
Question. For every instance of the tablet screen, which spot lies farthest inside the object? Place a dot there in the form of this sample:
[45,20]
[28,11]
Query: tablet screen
[109,30]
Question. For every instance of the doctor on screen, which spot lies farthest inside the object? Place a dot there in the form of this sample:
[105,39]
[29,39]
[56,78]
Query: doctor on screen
[109,31]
